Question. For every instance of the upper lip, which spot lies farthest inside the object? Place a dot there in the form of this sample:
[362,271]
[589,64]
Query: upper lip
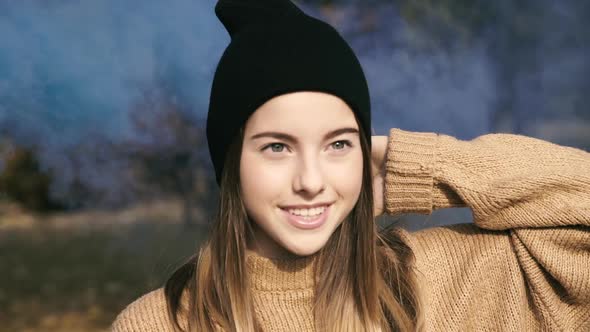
[304,206]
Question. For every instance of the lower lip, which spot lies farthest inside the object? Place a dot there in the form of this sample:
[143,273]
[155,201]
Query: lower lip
[302,223]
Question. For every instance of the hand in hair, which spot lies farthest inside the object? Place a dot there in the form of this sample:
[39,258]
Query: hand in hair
[378,152]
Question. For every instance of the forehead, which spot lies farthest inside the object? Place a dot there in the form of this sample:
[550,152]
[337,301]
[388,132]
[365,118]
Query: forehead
[302,113]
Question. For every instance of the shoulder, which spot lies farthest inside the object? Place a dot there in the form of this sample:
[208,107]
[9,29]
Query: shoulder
[147,313]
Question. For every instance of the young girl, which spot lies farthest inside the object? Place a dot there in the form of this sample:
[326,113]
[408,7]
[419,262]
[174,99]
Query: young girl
[294,246]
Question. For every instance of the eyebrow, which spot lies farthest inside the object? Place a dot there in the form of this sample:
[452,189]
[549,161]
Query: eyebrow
[287,137]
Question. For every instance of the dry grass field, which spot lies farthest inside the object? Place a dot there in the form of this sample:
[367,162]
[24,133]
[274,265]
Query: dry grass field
[76,272]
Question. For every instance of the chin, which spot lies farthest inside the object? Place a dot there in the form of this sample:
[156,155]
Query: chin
[301,247]
[306,250]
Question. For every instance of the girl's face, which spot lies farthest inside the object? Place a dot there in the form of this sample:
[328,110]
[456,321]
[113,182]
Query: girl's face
[300,151]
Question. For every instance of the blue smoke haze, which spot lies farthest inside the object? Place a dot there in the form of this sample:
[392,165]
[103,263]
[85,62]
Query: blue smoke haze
[70,71]
[70,67]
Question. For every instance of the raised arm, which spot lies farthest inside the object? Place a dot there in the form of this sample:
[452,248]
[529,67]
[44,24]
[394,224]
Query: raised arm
[509,181]
[531,205]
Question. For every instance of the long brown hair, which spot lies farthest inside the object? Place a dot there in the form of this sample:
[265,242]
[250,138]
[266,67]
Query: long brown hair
[373,270]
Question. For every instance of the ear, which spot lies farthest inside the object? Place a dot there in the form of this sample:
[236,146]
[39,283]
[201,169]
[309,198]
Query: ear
[237,14]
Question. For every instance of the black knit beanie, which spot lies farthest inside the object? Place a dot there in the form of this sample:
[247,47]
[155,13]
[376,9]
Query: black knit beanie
[276,49]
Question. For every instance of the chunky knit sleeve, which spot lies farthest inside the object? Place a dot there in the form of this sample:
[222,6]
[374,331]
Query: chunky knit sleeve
[525,260]
[508,181]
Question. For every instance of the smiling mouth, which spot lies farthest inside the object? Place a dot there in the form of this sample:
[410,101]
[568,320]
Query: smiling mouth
[307,218]
[310,213]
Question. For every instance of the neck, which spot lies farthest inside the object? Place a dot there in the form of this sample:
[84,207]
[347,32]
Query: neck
[287,272]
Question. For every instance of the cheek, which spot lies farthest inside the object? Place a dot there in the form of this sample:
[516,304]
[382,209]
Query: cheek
[346,178]
[260,184]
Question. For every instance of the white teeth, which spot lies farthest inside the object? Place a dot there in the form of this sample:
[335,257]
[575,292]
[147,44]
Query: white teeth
[308,212]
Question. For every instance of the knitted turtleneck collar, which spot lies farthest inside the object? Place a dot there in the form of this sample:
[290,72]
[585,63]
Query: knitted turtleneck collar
[280,274]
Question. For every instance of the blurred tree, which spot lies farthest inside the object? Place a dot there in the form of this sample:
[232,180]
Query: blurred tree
[527,40]
[446,22]
[169,151]
[80,191]
[23,181]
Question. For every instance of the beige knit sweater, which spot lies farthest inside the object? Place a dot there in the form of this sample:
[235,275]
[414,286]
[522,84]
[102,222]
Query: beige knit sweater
[523,266]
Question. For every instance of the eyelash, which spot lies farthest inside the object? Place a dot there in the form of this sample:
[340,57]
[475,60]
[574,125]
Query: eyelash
[346,142]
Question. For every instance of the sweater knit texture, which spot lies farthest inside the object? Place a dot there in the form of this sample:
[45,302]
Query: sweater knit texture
[523,265]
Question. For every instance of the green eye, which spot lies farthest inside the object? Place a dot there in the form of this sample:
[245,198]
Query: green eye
[275,147]
[340,145]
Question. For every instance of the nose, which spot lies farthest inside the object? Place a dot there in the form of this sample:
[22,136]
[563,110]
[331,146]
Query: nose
[309,179]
